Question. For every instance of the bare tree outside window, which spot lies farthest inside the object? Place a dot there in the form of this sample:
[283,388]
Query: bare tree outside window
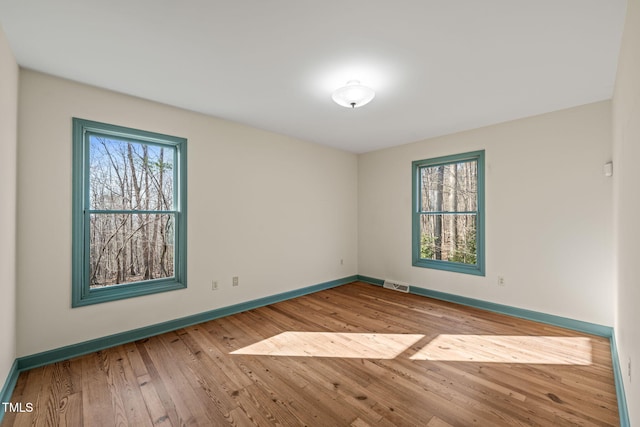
[129,213]
[448,216]
[448,213]
[131,226]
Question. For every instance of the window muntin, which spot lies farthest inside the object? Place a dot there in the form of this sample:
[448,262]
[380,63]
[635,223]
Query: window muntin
[448,218]
[129,212]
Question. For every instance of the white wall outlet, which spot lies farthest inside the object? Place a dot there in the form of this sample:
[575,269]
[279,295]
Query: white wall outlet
[214,285]
[235,281]
[501,281]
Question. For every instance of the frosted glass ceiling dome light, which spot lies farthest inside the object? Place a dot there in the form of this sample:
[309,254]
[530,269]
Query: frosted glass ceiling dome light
[353,95]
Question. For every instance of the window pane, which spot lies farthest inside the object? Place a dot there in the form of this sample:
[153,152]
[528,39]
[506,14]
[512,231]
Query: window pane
[128,175]
[126,248]
[449,188]
[448,238]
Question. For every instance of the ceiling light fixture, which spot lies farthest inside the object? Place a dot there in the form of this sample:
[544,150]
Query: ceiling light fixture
[353,95]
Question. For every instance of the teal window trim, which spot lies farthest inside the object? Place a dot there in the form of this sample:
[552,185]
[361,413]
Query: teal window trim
[82,294]
[475,269]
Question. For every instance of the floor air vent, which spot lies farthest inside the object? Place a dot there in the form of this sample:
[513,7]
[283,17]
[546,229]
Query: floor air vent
[396,286]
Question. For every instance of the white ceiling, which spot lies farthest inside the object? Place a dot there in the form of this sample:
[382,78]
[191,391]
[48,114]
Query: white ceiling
[438,66]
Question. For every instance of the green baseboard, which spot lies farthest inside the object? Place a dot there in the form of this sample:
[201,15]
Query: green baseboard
[74,350]
[9,385]
[623,411]
[550,319]
[40,359]
[86,347]
[575,325]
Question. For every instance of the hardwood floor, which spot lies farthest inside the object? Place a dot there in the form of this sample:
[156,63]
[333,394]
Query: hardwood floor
[357,355]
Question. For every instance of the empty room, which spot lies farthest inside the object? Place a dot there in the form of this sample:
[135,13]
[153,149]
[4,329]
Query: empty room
[338,213]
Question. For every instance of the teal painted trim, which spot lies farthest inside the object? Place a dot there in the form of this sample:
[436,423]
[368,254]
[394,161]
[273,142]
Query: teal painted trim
[52,356]
[477,269]
[128,211]
[480,234]
[449,212]
[118,292]
[77,215]
[550,319]
[74,350]
[371,280]
[455,267]
[81,293]
[576,325]
[623,411]
[9,385]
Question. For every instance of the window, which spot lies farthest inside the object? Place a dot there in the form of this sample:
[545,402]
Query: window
[448,213]
[129,213]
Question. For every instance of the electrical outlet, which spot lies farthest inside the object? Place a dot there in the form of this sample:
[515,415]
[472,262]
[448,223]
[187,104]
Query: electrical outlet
[214,285]
[235,281]
[341,262]
[501,281]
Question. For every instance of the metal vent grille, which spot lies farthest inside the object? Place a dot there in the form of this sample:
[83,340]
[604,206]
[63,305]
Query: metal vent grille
[396,286]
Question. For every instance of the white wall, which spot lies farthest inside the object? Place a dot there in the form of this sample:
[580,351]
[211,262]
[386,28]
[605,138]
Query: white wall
[626,143]
[277,212]
[8,171]
[548,214]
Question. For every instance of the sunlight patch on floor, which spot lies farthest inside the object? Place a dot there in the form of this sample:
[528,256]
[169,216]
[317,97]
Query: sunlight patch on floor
[333,344]
[507,349]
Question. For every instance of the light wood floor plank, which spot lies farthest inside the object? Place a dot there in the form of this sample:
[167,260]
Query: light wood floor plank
[356,355]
